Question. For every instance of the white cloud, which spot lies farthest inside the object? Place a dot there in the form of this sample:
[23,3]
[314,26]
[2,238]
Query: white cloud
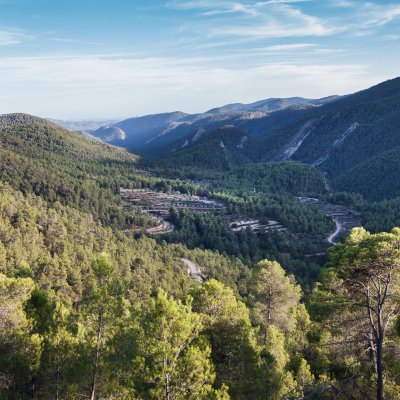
[284,18]
[280,21]
[293,46]
[264,19]
[213,8]
[84,87]
[12,36]
[378,15]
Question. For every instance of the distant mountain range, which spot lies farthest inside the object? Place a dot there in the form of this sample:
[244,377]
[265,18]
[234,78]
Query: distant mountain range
[151,132]
[354,139]
[83,127]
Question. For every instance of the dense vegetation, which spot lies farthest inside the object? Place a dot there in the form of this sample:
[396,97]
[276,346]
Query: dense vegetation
[222,149]
[283,177]
[90,310]
[354,140]
[373,178]
[38,157]
[264,192]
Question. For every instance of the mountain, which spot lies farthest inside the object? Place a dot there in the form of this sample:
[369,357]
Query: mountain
[61,166]
[352,134]
[223,149]
[354,140]
[85,126]
[152,133]
[273,104]
[136,132]
[27,135]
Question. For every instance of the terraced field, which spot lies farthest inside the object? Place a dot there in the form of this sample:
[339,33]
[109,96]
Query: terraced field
[158,204]
[344,217]
[241,223]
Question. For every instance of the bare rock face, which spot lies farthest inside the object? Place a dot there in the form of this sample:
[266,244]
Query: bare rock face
[112,134]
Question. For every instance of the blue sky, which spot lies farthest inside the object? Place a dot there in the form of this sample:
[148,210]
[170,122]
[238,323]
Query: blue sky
[83,59]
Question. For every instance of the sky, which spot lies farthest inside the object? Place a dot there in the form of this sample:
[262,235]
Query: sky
[94,59]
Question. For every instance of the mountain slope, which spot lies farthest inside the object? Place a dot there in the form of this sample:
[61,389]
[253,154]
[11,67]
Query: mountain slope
[222,149]
[27,135]
[351,134]
[61,166]
[273,104]
[152,132]
[376,178]
[136,132]
[350,139]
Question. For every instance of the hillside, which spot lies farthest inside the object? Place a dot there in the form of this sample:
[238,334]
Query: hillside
[59,165]
[374,178]
[343,136]
[26,134]
[155,134]
[222,149]
[348,139]
[134,133]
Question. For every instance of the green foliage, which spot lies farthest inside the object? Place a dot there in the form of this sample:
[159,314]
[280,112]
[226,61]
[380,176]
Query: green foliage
[374,178]
[275,296]
[234,349]
[381,216]
[173,360]
[212,231]
[280,177]
[91,311]
[357,303]
[41,158]
[219,150]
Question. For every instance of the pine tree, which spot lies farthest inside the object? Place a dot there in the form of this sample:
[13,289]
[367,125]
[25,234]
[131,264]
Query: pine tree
[173,360]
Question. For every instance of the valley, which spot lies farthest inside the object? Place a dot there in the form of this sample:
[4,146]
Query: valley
[103,252]
[345,218]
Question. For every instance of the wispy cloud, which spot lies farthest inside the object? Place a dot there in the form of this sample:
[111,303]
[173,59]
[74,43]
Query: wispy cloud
[12,36]
[110,85]
[280,21]
[286,18]
[378,15]
[74,41]
[293,46]
[266,19]
[212,8]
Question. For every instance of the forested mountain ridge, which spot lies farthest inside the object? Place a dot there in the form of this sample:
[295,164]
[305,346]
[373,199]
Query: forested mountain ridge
[223,149]
[152,132]
[339,137]
[353,140]
[21,132]
[59,165]
[343,136]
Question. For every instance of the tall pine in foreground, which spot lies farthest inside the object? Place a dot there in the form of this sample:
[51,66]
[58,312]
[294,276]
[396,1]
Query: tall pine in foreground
[173,360]
[358,304]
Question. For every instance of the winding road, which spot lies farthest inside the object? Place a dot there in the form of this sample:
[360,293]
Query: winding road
[163,227]
[339,229]
[194,270]
[345,218]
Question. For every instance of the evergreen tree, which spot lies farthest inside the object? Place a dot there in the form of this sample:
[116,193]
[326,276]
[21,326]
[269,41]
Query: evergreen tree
[173,360]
